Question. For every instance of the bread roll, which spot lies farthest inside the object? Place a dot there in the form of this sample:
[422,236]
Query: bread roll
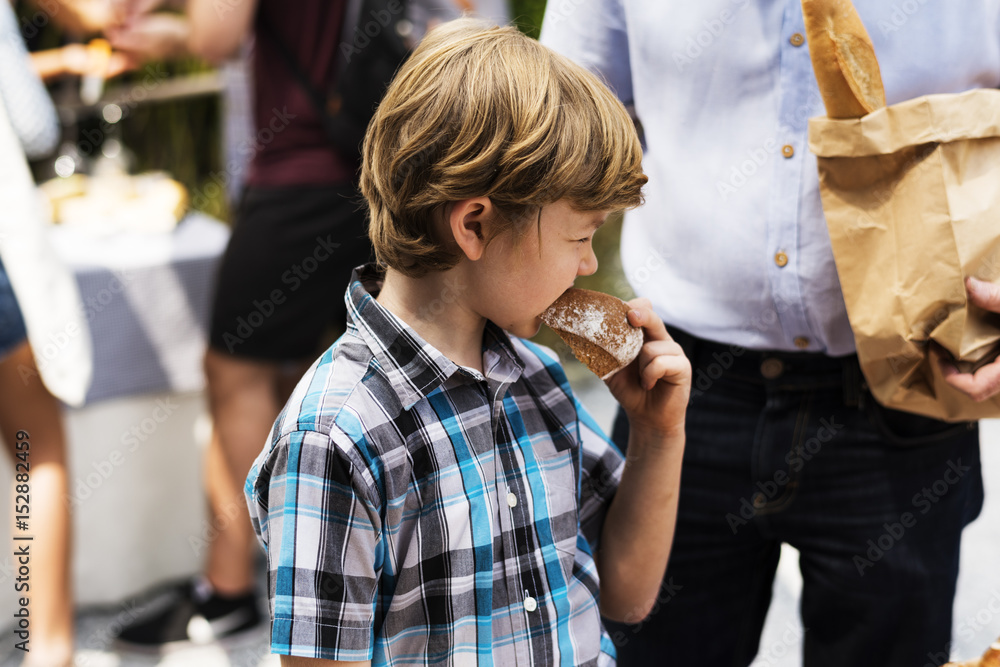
[596,328]
[992,656]
[843,58]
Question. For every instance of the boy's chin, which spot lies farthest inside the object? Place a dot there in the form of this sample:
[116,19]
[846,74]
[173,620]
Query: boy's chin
[525,329]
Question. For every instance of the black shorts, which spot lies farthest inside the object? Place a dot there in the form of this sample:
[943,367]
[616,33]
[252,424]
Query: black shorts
[282,279]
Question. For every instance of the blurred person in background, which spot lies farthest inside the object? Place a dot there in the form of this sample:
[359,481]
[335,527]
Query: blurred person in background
[47,311]
[785,442]
[319,67]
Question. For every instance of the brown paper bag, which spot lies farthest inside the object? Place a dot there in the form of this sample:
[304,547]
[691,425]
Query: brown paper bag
[911,194]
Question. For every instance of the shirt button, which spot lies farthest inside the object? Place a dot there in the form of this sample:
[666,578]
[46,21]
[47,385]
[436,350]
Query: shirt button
[511,500]
[797,39]
[530,604]
[780,258]
[788,150]
[802,342]
[772,368]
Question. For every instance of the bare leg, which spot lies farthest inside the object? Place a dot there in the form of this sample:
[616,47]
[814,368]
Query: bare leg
[27,405]
[244,403]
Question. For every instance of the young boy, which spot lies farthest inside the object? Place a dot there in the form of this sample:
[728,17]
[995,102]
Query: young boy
[432,491]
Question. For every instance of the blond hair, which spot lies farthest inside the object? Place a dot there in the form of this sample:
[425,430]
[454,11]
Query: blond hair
[486,111]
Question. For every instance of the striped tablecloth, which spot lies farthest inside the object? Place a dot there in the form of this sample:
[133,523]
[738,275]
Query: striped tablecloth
[146,297]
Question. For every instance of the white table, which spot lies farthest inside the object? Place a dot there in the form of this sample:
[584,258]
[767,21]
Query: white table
[136,446]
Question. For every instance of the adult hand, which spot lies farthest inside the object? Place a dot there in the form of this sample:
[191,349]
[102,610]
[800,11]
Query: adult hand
[131,10]
[985,382]
[81,60]
[83,17]
[152,36]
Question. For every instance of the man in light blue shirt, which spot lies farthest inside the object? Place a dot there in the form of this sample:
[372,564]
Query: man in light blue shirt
[731,246]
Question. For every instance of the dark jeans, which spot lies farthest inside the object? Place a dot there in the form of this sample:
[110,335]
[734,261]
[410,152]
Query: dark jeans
[789,447]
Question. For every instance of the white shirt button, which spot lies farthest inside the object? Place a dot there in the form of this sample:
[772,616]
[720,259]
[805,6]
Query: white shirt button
[530,604]
[511,500]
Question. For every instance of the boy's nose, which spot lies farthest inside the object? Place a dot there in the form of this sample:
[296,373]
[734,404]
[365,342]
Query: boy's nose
[588,266]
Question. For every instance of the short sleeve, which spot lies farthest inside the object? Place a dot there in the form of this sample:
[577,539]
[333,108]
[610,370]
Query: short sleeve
[601,470]
[593,34]
[318,519]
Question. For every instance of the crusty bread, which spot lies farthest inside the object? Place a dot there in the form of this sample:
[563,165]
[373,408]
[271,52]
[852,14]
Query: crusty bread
[843,58]
[596,327]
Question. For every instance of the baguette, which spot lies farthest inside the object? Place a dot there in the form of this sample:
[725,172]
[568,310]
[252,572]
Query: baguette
[596,328]
[843,59]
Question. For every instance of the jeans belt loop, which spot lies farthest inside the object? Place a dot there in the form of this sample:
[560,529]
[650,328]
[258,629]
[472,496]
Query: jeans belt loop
[853,381]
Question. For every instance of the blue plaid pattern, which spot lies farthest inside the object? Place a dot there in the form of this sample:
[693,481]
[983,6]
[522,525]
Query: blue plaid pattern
[417,512]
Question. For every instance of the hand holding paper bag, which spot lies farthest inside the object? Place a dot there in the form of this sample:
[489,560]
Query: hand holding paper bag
[985,382]
[910,202]
[910,198]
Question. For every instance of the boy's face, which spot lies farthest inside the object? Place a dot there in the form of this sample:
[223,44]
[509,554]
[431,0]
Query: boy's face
[520,278]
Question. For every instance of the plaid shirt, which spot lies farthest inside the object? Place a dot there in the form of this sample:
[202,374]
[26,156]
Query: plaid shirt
[416,512]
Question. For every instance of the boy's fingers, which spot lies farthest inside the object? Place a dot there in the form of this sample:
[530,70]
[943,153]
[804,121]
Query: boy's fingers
[654,348]
[661,359]
[668,367]
[642,315]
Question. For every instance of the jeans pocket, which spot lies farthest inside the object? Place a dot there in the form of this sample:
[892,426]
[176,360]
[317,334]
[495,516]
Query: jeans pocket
[906,429]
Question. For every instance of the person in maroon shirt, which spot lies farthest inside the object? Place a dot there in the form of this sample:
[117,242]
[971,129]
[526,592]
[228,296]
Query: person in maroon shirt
[298,233]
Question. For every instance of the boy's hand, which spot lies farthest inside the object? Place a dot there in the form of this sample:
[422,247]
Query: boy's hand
[654,389]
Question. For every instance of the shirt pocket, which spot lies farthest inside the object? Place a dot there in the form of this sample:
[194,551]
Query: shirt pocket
[558,472]
[557,463]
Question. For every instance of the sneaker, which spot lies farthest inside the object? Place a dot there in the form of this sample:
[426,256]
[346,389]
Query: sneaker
[191,614]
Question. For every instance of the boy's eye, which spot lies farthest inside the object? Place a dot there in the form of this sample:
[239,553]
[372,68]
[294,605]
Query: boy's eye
[583,240]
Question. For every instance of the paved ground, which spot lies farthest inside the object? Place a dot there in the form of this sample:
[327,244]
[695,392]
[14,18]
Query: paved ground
[977,612]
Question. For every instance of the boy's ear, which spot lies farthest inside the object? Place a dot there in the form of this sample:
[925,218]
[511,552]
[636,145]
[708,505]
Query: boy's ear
[469,220]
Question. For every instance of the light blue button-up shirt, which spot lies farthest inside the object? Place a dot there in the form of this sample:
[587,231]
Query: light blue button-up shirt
[731,244]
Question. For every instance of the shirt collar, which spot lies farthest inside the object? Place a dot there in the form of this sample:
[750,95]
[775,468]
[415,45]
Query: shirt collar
[414,367]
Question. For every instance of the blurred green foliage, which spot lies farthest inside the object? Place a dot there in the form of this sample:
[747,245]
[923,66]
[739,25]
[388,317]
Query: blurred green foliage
[182,137]
[527,15]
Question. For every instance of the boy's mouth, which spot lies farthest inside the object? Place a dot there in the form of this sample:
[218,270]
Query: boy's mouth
[539,316]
